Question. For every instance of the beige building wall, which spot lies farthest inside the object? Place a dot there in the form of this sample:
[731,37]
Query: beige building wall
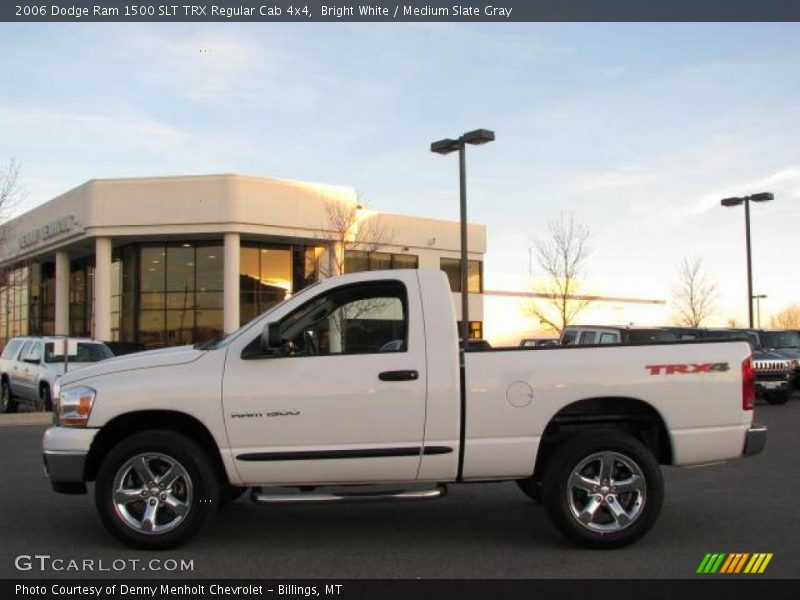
[209,207]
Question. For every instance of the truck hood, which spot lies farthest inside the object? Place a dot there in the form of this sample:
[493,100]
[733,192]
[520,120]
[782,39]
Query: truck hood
[58,368]
[140,360]
[788,353]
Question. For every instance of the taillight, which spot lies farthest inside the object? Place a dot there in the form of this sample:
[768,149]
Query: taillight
[748,384]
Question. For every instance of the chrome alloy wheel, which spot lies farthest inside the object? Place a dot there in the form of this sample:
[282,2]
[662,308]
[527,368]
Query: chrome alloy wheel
[606,492]
[152,493]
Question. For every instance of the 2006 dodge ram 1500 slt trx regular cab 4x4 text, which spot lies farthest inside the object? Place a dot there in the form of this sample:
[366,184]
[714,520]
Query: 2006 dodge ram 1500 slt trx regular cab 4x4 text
[355,380]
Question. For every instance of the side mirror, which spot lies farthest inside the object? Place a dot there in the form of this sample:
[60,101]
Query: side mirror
[271,338]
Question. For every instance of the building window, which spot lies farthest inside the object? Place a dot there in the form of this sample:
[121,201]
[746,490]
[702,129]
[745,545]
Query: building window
[180,294]
[475,330]
[81,290]
[357,261]
[265,278]
[452,267]
[15,304]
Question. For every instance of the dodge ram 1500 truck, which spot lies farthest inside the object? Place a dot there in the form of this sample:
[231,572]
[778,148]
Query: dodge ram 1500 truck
[357,382]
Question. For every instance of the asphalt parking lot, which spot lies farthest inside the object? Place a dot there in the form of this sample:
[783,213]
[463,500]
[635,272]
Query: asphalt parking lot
[482,530]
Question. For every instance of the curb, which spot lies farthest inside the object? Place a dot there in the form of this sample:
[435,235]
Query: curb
[32,418]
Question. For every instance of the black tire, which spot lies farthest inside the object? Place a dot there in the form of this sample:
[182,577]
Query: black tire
[778,397]
[626,454]
[531,488]
[7,402]
[45,398]
[230,493]
[196,491]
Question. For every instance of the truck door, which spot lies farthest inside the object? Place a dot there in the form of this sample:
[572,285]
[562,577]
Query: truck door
[32,366]
[19,369]
[343,397]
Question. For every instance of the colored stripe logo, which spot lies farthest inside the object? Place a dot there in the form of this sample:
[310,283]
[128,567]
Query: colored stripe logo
[734,562]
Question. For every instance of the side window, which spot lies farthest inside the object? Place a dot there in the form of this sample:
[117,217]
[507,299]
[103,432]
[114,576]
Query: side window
[569,338]
[11,348]
[25,348]
[588,337]
[36,352]
[608,338]
[357,319]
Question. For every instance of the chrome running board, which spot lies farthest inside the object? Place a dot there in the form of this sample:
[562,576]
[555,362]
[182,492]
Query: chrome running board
[278,496]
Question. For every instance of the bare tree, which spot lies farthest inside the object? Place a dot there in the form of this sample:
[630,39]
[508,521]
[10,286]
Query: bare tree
[11,194]
[788,318]
[562,257]
[349,227]
[694,298]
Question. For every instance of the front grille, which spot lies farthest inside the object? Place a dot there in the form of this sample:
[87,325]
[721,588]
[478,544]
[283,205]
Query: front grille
[771,366]
[771,376]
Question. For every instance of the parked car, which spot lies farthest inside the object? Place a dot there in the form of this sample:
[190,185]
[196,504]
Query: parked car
[590,335]
[538,342]
[313,394]
[774,373]
[29,368]
[476,345]
[785,344]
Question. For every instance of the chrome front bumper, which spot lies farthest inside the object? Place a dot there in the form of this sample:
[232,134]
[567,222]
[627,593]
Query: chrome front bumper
[755,440]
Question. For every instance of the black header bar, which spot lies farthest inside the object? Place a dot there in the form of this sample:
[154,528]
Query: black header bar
[305,11]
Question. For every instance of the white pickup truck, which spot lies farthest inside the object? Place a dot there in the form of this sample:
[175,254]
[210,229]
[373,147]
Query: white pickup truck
[352,390]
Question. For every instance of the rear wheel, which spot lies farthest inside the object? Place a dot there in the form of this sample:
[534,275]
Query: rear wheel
[7,402]
[603,489]
[45,398]
[155,488]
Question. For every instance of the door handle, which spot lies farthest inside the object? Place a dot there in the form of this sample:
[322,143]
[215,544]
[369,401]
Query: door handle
[399,375]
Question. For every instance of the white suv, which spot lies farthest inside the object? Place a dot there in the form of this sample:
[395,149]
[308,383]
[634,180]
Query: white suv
[28,369]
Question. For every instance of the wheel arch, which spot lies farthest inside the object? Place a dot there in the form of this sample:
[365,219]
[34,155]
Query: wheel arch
[630,415]
[130,423]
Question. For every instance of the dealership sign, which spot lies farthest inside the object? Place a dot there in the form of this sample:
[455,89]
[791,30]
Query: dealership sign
[50,230]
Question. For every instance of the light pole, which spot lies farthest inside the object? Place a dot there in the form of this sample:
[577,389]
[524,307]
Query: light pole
[746,200]
[758,299]
[446,146]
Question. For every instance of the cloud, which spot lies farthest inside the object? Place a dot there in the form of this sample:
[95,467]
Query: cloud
[784,183]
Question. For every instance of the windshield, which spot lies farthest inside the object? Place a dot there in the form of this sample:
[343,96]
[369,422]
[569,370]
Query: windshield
[780,339]
[87,353]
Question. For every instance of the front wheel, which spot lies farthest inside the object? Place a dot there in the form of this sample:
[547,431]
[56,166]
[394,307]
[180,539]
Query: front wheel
[7,402]
[603,489]
[155,489]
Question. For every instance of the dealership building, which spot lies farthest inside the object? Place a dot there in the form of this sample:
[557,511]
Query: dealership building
[175,260]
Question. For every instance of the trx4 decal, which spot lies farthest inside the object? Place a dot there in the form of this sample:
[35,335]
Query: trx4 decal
[688,369]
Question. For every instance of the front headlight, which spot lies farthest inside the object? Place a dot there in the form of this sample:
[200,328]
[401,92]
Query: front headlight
[74,406]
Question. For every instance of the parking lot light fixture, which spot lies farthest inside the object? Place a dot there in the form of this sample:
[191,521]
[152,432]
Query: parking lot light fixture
[476,137]
[746,200]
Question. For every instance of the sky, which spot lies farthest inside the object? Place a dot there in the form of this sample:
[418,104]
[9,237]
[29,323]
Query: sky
[636,129]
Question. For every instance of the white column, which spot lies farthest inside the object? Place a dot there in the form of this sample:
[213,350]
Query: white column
[62,293]
[230,299]
[102,289]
